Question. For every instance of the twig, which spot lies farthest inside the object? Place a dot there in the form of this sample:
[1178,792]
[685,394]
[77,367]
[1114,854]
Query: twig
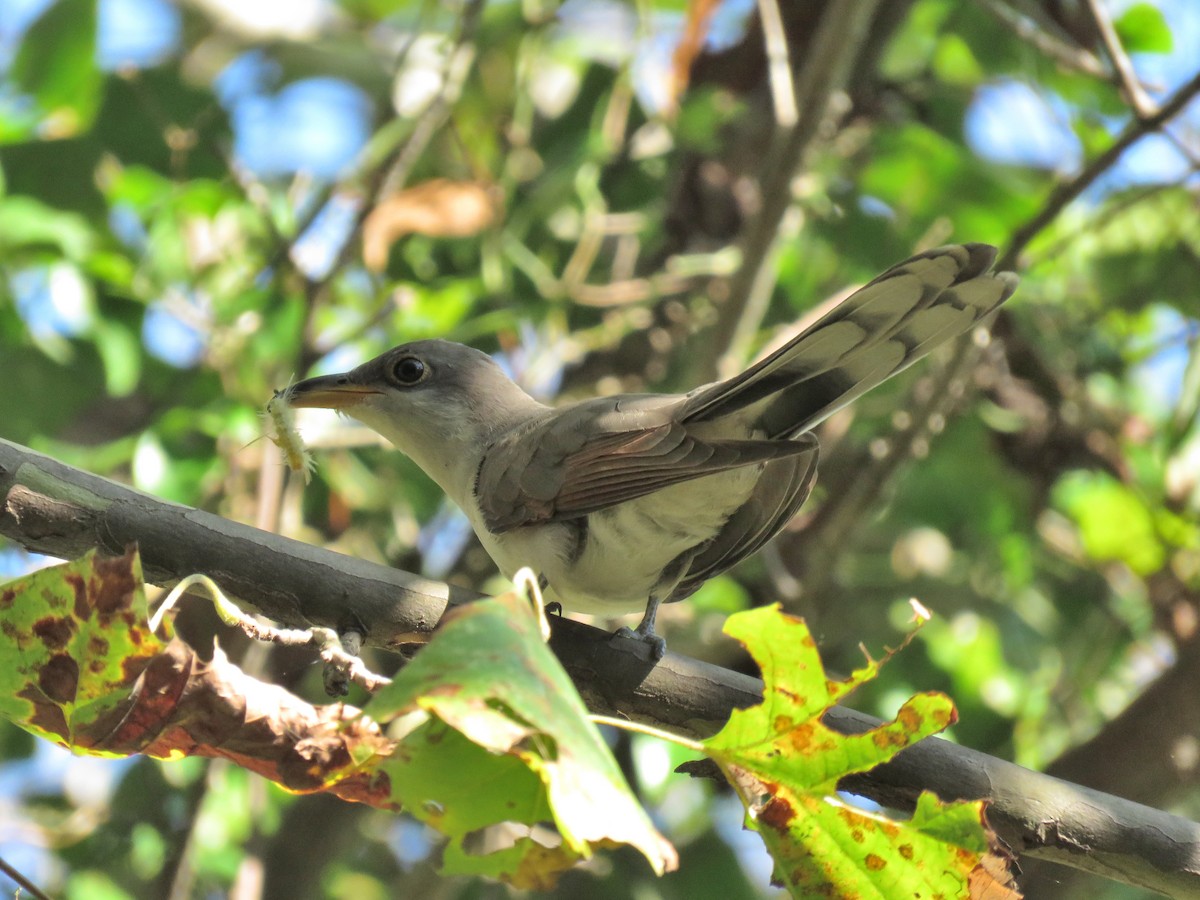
[1074,58]
[22,882]
[1142,105]
[779,68]
[832,52]
[285,246]
[340,654]
[1068,191]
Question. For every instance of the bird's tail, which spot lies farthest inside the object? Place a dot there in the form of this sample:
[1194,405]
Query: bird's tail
[876,332]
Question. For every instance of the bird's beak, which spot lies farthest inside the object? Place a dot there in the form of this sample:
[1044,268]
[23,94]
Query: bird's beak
[328,392]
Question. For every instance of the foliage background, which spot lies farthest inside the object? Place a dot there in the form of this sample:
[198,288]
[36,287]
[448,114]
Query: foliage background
[183,192]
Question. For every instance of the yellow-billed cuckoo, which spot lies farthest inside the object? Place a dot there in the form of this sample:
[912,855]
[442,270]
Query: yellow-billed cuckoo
[630,501]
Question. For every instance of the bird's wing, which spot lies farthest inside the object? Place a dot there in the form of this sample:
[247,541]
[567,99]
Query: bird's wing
[876,332]
[577,463]
[778,495]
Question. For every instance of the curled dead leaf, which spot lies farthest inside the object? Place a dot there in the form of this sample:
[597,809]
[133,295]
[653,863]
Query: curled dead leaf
[436,208]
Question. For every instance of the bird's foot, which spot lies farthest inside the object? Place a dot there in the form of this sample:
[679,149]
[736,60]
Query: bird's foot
[656,642]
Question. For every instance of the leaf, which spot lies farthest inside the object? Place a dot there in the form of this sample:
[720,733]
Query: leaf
[118,348]
[72,646]
[56,64]
[28,223]
[436,208]
[786,763]
[1142,28]
[502,736]
[82,669]
[954,63]
[1114,522]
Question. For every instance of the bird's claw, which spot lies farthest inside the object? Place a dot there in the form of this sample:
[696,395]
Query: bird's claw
[656,643]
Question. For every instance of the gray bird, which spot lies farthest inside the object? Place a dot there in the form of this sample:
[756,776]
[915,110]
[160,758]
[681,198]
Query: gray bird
[631,501]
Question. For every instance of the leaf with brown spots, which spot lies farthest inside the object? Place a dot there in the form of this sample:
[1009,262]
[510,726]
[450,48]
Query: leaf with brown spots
[81,669]
[786,763]
[491,732]
[71,646]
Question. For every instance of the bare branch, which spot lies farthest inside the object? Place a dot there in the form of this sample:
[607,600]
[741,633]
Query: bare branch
[779,67]
[1068,191]
[1142,105]
[22,882]
[1075,58]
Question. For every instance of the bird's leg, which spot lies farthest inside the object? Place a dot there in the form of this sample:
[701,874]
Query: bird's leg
[553,608]
[645,631]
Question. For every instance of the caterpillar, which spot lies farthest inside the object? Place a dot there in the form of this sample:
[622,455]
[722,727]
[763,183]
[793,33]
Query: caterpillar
[286,437]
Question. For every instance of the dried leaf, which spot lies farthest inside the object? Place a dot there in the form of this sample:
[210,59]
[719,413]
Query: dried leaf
[436,208]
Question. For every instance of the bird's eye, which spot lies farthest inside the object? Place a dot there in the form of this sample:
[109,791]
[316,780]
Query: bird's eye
[409,370]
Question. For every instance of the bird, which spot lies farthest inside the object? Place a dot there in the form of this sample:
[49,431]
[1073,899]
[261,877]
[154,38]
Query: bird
[623,503]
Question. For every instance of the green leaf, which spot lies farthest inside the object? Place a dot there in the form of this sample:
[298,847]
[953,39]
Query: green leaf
[786,763]
[1114,522]
[955,63]
[120,350]
[29,223]
[908,52]
[56,64]
[74,642]
[501,736]
[1143,29]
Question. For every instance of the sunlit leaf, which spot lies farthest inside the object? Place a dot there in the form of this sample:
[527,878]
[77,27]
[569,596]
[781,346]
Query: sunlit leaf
[26,222]
[74,646]
[786,763]
[1143,28]
[56,64]
[1114,523]
[504,737]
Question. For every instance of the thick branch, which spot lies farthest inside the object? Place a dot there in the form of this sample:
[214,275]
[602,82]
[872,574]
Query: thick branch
[52,508]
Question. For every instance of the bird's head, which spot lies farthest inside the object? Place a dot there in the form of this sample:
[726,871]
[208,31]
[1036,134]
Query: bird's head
[439,402]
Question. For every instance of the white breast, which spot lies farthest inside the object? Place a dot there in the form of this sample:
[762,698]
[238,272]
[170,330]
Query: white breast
[627,546]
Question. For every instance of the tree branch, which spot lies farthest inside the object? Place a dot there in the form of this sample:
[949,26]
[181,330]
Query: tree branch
[50,507]
[1068,191]
[1126,77]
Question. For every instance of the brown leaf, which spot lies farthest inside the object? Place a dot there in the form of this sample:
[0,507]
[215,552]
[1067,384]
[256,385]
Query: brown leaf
[436,208]
[186,706]
[992,879]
